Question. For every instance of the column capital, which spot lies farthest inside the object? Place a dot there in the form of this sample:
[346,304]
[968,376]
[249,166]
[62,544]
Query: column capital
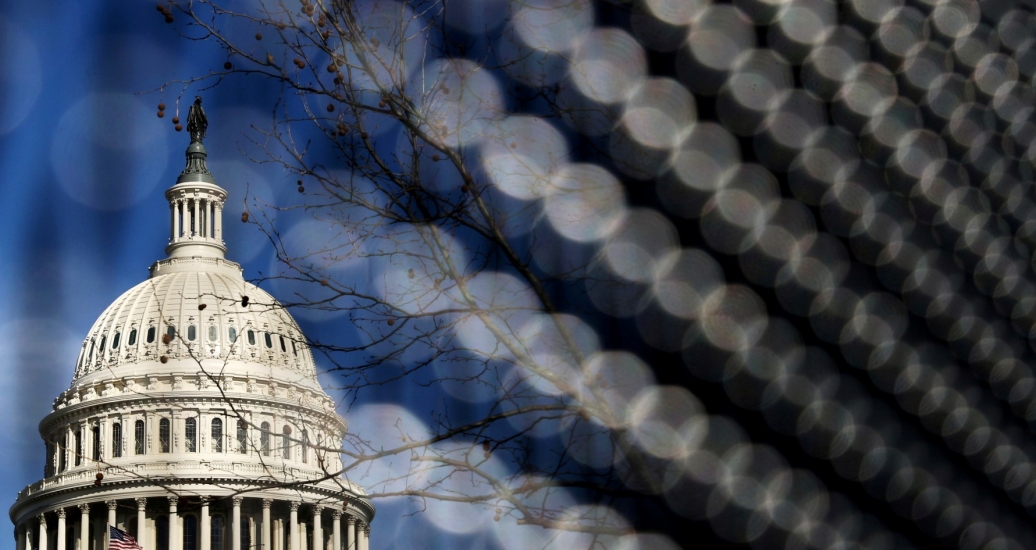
[294,505]
[43,519]
[367,529]
[60,512]
[317,508]
[267,503]
[173,501]
[336,514]
[112,504]
[351,520]
[84,508]
[205,500]
[141,503]
[237,500]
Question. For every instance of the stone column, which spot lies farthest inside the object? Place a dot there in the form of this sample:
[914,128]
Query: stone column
[318,532]
[336,529]
[27,529]
[141,522]
[172,222]
[174,521]
[61,528]
[266,524]
[19,537]
[206,528]
[197,217]
[293,526]
[111,511]
[84,527]
[235,525]
[362,531]
[350,533]
[42,538]
[219,233]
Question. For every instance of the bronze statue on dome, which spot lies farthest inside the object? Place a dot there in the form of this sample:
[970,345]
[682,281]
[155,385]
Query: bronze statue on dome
[197,123]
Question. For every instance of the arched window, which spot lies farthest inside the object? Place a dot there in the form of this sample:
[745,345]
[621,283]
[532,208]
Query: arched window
[170,331]
[163,435]
[264,439]
[294,350]
[269,341]
[286,442]
[217,533]
[242,437]
[305,446]
[138,437]
[116,440]
[251,337]
[61,458]
[79,448]
[132,337]
[217,435]
[190,532]
[162,532]
[93,344]
[283,347]
[213,333]
[115,340]
[150,335]
[232,333]
[192,333]
[96,430]
[100,348]
[190,436]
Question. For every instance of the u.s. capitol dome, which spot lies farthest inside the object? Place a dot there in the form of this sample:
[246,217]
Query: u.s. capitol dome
[194,420]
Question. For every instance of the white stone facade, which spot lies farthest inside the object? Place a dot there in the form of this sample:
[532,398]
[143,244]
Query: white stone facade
[195,420]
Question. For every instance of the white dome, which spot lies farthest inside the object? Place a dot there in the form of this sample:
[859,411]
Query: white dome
[189,316]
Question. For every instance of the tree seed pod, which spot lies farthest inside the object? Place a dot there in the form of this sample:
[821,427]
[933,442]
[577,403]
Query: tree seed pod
[363,135]
[166,339]
[435,157]
[163,359]
[269,59]
[374,40]
[161,106]
[176,120]
[179,127]
[382,104]
[499,511]
[496,518]
[391,322]
[161,114]
[201,307]
[485,447]
[486,454]
[244,301]
[410,273]
[227,65]
[258,36]
[168,18]
[330,107]
[160,8]
[323,282]
[244,217]
[332,68]
[302,189]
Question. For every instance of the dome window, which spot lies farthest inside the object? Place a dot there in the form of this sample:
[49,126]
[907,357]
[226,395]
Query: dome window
[190,438]
[192,333]
[96,452]
[269,340]
[286,442]
[170,332]
[305,445]
[251,337]
[232,333]
[264,438]
[138,437]
[163,435]
[100,348]
[213,333]
[132,337]
[294,350]
[217,435]
[150,335]
[242,437]
[116,440]
[79,447]
[115,340]
[283,348]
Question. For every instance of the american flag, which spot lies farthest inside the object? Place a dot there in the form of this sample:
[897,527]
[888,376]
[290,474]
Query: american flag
[120,540]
